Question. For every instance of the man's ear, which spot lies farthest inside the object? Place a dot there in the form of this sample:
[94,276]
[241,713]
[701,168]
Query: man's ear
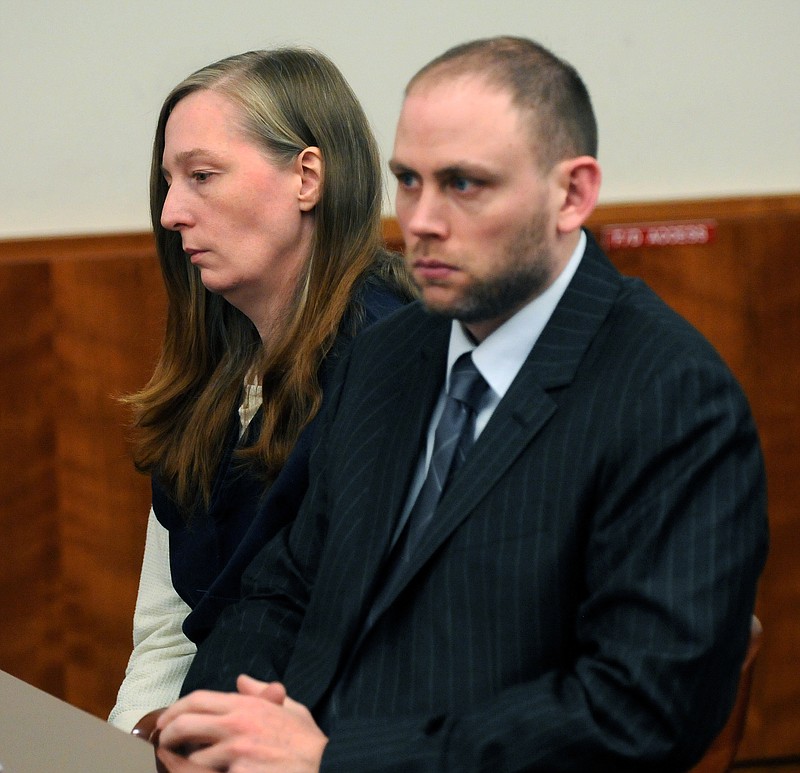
[579,182]
[309,166]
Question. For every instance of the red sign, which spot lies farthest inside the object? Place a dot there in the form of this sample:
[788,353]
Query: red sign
[679,233]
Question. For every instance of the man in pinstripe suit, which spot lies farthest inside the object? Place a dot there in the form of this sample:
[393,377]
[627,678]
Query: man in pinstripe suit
[581,598]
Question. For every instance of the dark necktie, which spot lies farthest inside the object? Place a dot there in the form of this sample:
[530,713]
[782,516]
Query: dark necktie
[454,436]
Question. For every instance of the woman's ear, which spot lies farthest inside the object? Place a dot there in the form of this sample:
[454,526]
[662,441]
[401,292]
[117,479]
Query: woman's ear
[579,179]
[309,166]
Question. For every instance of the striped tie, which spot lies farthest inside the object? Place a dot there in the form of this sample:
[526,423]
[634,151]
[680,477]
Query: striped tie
[455,434]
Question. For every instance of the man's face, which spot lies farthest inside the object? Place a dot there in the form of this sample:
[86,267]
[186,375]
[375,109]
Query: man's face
[477,214]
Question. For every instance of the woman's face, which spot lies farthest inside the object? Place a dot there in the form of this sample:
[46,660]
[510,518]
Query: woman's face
[244,220]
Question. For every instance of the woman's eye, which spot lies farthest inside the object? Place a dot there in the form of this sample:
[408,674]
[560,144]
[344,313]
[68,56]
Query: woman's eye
[201,177]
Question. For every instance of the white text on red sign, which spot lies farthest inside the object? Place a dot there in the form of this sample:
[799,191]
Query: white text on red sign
[666,234]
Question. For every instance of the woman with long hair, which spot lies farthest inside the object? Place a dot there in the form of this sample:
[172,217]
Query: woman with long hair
[265,199]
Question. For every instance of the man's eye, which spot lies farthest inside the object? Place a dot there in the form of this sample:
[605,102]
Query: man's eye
[462,184]
[405,179]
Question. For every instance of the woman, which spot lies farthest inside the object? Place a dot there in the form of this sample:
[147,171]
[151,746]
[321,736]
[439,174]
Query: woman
[265,201]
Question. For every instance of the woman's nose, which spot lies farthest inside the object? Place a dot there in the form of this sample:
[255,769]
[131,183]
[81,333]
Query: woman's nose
[174,213]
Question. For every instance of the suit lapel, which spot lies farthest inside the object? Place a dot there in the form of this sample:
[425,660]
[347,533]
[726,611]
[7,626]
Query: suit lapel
[400,426]
[384,419]
[528,405]
[415,392]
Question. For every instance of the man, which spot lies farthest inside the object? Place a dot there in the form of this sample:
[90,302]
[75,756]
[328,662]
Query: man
[579,597]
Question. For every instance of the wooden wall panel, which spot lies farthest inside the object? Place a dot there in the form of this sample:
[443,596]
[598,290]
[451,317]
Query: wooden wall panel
[109,318]
[81,319]
[30,609]
[775,366]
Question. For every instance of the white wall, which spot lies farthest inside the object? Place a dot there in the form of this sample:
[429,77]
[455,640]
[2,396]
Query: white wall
[694,97]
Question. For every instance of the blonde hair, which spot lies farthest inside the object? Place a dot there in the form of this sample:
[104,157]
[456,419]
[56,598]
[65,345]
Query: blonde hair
[290,99]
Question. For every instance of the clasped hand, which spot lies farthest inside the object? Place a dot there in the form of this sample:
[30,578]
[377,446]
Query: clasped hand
[259,728]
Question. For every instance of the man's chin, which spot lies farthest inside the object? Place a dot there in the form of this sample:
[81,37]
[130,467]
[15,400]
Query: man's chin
[440,308]
[442,301]
[452,311]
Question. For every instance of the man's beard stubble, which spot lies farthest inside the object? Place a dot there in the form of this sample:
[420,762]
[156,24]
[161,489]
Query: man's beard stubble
[524,272]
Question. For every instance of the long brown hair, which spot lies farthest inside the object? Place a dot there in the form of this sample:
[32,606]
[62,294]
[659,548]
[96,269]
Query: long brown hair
[290,99]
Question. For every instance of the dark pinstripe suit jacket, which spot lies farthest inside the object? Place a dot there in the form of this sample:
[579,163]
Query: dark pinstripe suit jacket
[583,599]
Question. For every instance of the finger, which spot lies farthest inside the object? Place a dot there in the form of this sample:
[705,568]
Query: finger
[241,715]
[274,692]
[183,740]
[248,685]
[193,731]
[174,763]
[296,708]
[235,754]
[198,702]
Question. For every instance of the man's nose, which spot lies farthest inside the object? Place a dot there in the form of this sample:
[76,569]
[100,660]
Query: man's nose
[425,216]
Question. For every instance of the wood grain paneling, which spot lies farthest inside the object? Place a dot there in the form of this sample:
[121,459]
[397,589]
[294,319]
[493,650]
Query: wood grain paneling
[83,324]
[775,395]
[31,627]
[80,322]
[109,318]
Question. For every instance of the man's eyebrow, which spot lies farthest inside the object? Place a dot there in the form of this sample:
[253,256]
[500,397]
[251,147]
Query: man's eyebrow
[396,167]
[448,172]
[464,169]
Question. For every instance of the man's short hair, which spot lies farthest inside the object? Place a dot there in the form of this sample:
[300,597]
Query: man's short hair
[562,119]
